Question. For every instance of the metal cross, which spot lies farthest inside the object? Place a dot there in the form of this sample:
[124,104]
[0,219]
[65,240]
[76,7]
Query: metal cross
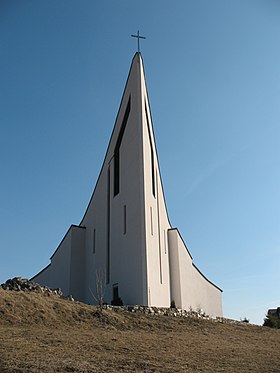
[138,37]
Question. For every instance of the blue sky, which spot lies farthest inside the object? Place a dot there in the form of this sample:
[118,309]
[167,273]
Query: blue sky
[213,76]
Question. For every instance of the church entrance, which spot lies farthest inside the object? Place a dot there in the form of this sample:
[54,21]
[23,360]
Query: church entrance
[116,298]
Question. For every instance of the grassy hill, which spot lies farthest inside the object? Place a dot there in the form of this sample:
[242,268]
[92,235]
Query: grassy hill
[40,333]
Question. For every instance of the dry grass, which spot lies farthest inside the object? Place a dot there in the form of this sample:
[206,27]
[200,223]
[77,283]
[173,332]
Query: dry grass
[49,334]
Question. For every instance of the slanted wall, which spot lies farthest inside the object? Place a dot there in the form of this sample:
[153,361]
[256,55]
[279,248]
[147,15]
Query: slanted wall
[155,213]
[116,210]
[189,288]
[66,270]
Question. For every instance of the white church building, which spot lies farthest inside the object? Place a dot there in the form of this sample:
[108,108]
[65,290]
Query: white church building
[125,231]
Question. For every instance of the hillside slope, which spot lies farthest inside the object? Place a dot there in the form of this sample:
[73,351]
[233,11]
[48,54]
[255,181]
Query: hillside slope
[40,333]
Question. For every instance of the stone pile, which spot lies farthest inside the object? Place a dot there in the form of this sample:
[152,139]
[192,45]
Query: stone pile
[159,311]
[173,312]
[23,284]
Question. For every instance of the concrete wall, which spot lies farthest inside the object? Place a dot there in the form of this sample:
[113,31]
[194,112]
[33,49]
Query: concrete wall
[44,276]
[57,275]
[189,288]
[126,253]
[66,270]
[156,219]
[77,266]
[128,236]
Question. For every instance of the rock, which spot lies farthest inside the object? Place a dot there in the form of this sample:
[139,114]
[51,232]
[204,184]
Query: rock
[23,284]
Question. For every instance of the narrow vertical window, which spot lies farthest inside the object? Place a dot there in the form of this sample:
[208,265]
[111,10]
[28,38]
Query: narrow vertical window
[116,301]
[93,241]
[124,219]
[152,153]
[165,241]
[117,150]
[159,233]
[151,212]
[115,292]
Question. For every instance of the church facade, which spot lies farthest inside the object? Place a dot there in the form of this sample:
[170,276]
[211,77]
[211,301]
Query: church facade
[125,232]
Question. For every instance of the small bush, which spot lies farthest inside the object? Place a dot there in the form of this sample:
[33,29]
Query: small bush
[272,321]
[172,304]
[245,320]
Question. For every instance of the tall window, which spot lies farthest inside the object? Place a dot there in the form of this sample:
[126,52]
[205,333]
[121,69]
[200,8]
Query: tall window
[159,234]
[152,153]
[115,292]
[124,219]
[151,213]
[117,150]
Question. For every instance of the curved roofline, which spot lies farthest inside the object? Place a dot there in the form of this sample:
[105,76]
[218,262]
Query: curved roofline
[37,274]
[199,271]
[137,54]
[71,226]
[114,127]
[152,126]
[176,229]
[210,282]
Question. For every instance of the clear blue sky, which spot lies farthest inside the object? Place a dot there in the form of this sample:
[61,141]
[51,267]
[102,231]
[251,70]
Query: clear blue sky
[213,75]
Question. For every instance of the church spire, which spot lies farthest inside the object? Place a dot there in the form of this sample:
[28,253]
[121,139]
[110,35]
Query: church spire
[125,231]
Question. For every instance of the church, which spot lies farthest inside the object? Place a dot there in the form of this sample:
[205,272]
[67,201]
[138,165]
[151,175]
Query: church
[125,232]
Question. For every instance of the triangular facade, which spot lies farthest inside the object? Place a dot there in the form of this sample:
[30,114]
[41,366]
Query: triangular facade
[125,232]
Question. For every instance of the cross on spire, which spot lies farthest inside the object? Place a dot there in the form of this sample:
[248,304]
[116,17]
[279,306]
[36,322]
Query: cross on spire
[138,39]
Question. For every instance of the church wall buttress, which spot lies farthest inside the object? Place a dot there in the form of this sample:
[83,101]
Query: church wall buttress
[156,216]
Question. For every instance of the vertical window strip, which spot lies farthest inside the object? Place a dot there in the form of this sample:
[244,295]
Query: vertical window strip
[165,241]
[159,240]
[151,213]
[116,172]
[152,153]
[115,292]
[124,219]
[117,150]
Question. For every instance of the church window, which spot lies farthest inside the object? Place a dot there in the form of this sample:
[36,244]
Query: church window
[115,292]
[151,213]
[93,241]
[159,235]
[124,219]
[116,301]
[117,150]
[152,153]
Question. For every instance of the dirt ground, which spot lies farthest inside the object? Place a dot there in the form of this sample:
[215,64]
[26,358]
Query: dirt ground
[49,334]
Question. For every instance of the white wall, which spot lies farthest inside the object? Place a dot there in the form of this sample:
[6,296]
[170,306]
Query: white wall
[127,251]
[156,219]
[77,266]
[174,269]
[57,275]
[66,270]
[190,289]
[149,261]
[43,277]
